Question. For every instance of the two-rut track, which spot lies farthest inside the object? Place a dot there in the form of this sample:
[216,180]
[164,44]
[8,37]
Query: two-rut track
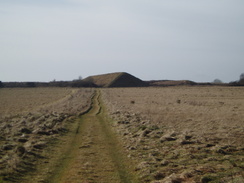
[91,153]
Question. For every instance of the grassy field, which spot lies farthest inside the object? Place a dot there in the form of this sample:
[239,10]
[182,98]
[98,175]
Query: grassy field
[189,134]
[173,134]
[30,119]
[17,100]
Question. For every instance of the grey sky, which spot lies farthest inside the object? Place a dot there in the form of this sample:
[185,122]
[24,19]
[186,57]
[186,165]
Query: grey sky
[151,39]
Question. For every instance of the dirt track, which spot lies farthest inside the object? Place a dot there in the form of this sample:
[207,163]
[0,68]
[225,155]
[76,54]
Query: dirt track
[89,153]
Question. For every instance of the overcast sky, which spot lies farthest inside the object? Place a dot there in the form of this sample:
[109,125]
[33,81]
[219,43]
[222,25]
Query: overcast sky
[151,39]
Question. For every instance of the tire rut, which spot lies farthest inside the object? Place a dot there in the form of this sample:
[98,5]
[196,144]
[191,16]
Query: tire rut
[94,154]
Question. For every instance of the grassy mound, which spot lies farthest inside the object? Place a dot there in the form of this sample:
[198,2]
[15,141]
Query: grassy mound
[118,79]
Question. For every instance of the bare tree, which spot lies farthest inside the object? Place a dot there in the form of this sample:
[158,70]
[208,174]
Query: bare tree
[242,76]
[241,79]
[217,81]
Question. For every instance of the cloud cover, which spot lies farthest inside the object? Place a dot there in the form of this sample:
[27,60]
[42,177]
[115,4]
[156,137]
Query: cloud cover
[169,39]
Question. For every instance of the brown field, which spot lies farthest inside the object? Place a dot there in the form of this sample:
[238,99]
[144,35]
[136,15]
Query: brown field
[15,101]
[168,134]
[182,133]
[29,119]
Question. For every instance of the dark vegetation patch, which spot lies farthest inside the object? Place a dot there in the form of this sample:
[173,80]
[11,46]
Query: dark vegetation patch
[75,83]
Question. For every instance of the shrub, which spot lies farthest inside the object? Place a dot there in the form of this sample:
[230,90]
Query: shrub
[241,81]
[82,83]
[30,84]
[242,76]
[217,81]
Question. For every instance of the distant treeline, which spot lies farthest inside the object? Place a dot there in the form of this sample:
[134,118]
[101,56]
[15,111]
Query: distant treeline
[76,83]
[240,82]
[90,83]
[237,83]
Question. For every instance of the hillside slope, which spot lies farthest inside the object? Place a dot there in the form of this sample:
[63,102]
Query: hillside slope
[118,79]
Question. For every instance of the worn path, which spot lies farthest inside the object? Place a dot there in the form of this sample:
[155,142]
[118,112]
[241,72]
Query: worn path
[91,153]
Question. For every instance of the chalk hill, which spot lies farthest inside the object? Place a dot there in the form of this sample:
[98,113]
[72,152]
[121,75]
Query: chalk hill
[117,79]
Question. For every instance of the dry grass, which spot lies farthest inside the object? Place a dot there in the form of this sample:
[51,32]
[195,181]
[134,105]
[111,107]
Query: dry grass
[14,101]
[197,129]
[88,152]
[199,110]
[177,134]
[32,118]
[17,100]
